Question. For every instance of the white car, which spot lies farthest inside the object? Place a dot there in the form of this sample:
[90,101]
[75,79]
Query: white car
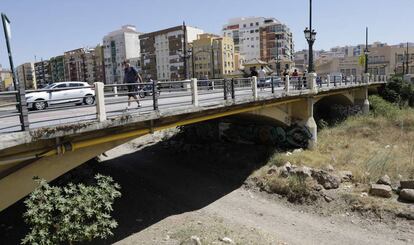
[60,93]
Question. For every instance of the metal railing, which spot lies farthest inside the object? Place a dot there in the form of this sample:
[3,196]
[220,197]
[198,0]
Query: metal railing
[108,101]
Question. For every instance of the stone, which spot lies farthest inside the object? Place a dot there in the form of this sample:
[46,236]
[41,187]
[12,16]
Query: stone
[227,240]
[407,195]
[297,151]
[407,184]
[273,170]
[327,180]
[384,180]
[328,199]
[363,194]
[330,168]
[304,172]
[380,190]
[288,166]
[317,187]
[283,172]
[346,176]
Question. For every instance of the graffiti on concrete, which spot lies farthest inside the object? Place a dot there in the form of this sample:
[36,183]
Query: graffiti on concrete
[294,136]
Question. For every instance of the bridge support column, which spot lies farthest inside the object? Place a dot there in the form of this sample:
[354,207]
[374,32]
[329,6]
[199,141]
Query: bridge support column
[287,84]
[194,91]
[100,101]
[311,124]
[254,87]
[365,106]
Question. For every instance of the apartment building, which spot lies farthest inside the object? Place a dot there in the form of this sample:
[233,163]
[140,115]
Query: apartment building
[245,33]
[6,79]
[84,64]
[75,65]
[162,52]
[276,43]
[119,46]
[26,74]
[213,56]
[42,73]
[57,68]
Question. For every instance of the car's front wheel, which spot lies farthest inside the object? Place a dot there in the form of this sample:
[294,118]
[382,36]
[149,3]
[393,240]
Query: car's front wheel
[39,105]
[89,100]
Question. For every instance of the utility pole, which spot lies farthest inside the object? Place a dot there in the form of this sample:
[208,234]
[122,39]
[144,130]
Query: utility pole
[277,55]
[212,58]
[406,58]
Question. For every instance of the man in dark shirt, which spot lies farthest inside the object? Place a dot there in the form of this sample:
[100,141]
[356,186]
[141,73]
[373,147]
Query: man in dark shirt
[131,77]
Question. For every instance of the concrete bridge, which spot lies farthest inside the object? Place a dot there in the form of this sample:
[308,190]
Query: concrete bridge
[56,146]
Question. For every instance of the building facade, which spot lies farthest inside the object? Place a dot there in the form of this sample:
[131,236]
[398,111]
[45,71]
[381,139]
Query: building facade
[26,74]
[85,64]
[119,46]
[75,65]
[57,68]
[162,53]
[42,73]
[6,79]
[276,43]
[213,56]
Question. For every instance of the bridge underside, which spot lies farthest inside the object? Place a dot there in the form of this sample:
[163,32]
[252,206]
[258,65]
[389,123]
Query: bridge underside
[52,153]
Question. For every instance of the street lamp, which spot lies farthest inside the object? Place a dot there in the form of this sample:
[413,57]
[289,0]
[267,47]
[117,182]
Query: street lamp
[310,36]
[366,51]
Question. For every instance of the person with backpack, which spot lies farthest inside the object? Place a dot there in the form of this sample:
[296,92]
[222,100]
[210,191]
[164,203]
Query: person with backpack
[131,78]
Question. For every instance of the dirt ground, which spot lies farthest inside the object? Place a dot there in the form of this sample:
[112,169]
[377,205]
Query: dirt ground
[169,196]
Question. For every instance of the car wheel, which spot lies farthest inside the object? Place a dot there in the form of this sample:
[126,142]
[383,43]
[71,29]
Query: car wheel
[89,100]
[141,94]
[39,105]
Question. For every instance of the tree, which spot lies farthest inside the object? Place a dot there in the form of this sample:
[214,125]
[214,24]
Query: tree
[69,214]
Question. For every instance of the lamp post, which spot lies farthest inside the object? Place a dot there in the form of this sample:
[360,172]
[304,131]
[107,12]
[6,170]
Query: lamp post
[277,56]
[310,36]
[366,51]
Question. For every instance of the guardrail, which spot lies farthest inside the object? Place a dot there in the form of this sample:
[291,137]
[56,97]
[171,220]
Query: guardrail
[111,100]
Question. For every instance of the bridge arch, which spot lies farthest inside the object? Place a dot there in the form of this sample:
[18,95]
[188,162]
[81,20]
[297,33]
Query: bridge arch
[329,108]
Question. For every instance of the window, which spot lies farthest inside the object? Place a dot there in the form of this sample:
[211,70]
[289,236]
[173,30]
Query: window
[251,24]
[257,23]
[244,25]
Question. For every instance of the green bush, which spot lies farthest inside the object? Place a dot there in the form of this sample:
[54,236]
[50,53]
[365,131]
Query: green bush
[74,213]
[380,107]
[398,91]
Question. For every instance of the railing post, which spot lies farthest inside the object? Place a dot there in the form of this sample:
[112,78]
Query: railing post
[194,92]
[116,91]
[366,78]
[225,89]
[233,94]
[100,101]
[328,80]
[154,94]
[24,114]
[352,79]
[273,84]
[287,84]
[334,80]
[254,87]
[311,82]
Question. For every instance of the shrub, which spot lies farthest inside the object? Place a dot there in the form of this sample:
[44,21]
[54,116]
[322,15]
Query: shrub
[73,213]
[380,107]
[398,91]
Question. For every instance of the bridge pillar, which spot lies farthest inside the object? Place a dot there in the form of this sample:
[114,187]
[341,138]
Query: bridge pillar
[194,91]
[254,87]
[311,124]
[366,78]
[287,84]
[365,106]
[100,101]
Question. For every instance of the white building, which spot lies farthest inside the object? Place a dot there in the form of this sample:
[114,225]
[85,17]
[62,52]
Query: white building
[245,32]
[120,45]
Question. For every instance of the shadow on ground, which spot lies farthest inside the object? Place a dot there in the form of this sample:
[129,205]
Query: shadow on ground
[157,182]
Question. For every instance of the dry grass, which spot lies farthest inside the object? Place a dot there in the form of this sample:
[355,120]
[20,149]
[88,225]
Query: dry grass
[368,146]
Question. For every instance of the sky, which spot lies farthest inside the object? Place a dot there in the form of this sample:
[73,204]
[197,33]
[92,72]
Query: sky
[46,28]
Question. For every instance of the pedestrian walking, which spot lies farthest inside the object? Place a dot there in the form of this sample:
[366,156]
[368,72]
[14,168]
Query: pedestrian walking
[131,78]
[262,77]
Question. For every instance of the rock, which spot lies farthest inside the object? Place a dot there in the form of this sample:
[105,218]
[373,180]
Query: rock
[288,153]
[328,181]
[407,195]
[318,187]
[346,176]
[226,240]
[194,240]
[328,199]
[297,151]
[380,190]
[407,184]
[304,172]
[288,166]
[330,168]
[363,194]
[283,172]
[384,180]
[273,170]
